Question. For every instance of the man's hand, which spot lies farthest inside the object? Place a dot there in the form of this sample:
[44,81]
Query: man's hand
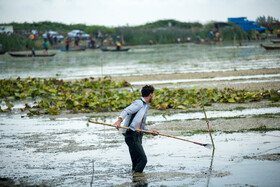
[118,123]
[155,133]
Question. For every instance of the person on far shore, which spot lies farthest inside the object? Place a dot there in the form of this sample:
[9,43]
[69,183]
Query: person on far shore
[33,51]
[77,43]
[45,45]
[67,44]
[118,46]
[92,42]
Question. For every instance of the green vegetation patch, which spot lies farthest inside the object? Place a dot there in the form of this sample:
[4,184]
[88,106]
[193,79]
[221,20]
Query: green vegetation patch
[186,98]
[105,95]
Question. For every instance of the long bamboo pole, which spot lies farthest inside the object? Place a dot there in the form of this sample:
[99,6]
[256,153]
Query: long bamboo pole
[151,132]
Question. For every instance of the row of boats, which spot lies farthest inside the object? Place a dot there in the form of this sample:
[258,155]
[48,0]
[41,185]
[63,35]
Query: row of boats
[20,54]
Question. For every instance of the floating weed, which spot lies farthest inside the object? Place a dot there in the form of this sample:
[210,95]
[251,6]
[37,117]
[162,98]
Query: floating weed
[274,115]
[34,113]
[234,117]
[143,62]
[150,123]
[112,141]
[273,105]
[194,132]
[239,108]
[176,120]
[261,128]
[53,111]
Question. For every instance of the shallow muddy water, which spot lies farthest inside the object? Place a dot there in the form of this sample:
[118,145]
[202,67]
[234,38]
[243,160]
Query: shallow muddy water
[67,152]
[142,60]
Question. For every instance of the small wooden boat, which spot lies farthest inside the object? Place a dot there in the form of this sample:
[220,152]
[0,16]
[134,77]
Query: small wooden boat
[30,55]
[114,50]
[276,41]
[271,47]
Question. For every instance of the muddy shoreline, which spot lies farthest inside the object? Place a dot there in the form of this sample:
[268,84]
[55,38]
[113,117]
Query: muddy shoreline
[200,75]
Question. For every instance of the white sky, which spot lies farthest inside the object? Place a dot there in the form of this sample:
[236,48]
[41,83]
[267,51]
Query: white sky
[133,12]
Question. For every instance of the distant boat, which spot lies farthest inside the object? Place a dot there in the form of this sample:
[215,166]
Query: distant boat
[275,41]
[30,55]
[114,50]
[271,47]
[2,52]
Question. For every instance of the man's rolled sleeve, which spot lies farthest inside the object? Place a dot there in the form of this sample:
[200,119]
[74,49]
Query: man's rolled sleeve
[131,109]
[123,115]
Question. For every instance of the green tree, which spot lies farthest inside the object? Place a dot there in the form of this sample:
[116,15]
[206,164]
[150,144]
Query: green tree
[94,29]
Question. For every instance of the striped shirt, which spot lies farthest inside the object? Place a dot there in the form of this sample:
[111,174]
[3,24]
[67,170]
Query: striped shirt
[140,107]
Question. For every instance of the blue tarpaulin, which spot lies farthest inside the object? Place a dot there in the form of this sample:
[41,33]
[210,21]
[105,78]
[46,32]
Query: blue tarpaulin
[246,25]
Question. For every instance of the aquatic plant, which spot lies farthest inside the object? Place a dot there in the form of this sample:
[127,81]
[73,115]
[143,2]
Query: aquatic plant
[99,95]
[186,98]
[85,95]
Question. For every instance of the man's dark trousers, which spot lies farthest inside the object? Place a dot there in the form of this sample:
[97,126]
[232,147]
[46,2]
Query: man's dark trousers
[133,140]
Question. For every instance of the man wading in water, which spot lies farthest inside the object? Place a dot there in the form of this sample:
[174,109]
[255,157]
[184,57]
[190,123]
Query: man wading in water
[135,115]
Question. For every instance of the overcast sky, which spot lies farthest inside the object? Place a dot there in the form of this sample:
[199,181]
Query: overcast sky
[133,12]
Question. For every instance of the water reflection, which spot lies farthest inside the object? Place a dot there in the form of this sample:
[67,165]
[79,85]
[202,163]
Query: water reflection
[210,168]
[92,177]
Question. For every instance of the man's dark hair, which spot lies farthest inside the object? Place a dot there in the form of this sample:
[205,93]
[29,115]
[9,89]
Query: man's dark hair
[146,90]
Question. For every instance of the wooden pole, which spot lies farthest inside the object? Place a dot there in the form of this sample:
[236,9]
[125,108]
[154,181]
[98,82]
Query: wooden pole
[150,132]
[209,130]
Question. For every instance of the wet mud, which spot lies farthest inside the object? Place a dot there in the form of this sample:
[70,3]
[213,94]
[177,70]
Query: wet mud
[67,151]
[270,157]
